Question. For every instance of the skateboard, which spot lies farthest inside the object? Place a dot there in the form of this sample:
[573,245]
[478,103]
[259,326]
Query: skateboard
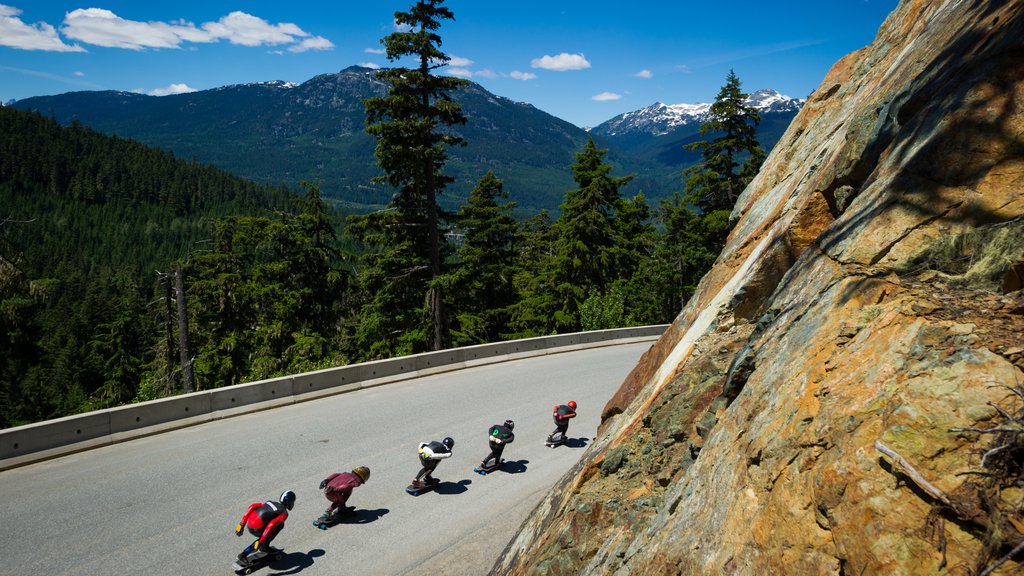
[324,521]
[254,564]
[551,444]
[417,490]
[485,471]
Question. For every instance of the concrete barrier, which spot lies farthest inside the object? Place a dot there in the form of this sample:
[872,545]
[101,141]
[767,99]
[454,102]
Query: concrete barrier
[26,444]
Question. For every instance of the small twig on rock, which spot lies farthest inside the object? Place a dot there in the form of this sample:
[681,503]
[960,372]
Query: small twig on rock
[1016,550]
[912,473]
[984,430]
[996,450]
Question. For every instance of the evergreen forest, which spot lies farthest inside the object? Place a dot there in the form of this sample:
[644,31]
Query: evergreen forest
[127,274]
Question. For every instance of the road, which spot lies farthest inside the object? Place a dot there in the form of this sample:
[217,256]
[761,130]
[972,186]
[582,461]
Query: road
[168,504]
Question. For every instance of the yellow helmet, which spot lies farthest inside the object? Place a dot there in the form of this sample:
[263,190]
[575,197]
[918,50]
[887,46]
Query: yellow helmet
[363,472]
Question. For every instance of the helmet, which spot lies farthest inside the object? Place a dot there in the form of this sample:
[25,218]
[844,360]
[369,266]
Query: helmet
[363,472]
[288,499]
[448,442]
[572,404]
[510,424]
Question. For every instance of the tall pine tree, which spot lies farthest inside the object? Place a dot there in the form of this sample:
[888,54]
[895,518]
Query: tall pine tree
[484,278]
[587,254]
[411,126]
[697,221]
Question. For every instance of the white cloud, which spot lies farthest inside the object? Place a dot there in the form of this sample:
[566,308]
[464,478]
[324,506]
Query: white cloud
[314,43]
[644,74]
[370,65]
[39,36]
[462,72]
[170,90]
[516,74]
[561,63]
[247,30]
[606,96]
[458,61]
[104,28]
[375,51]
[79,74]
[486,73]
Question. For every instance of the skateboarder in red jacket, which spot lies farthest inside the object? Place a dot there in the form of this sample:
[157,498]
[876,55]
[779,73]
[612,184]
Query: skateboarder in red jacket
[264,520]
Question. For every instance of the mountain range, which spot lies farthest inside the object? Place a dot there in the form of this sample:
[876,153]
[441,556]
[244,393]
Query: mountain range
[283,133]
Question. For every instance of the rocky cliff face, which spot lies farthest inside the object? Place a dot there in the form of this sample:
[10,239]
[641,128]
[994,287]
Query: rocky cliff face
[863,303]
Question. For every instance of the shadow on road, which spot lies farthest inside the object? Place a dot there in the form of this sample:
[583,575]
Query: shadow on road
[516,467]
[295,562]
[576,442]
[360,516]
[450,488]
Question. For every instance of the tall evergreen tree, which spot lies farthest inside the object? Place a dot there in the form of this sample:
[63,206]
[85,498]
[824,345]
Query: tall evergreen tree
[531,312]
[411,126]
[587,250]
[697,221]
[484,278]
[716,182]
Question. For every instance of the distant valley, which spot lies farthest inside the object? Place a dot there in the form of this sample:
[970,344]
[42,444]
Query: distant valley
[284,133]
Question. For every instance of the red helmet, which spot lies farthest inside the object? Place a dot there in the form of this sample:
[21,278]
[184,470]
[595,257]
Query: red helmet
[572,404]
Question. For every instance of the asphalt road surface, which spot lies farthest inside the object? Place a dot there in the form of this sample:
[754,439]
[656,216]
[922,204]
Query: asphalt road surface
[168,504]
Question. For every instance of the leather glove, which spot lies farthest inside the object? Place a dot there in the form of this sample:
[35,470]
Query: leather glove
[322,484]
[238,530]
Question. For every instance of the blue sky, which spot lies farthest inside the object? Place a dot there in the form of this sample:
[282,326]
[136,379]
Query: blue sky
[582,61]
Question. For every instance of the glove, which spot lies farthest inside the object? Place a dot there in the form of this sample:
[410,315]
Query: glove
[238,530]
[329,490]
[256,545]
[322,484]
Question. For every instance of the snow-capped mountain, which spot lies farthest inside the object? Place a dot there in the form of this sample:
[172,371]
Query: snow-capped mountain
[659,119]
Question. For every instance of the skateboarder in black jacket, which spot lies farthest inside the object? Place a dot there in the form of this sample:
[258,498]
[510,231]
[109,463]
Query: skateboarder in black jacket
[498,436]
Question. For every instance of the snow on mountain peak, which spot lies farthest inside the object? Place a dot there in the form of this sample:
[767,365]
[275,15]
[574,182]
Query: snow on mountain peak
[660,118]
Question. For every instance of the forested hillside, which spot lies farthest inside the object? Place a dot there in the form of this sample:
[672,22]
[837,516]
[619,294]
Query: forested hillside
[87,222]
[127,274]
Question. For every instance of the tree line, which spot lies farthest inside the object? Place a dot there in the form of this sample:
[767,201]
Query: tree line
[127,274]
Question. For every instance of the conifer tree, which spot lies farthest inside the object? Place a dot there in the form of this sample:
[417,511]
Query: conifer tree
[586,245]
[484,278]
[694,239]
[411,126]
[717,181]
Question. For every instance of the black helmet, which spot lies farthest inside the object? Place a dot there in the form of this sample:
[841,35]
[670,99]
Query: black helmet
[510,424]
[448,442]
[288,499]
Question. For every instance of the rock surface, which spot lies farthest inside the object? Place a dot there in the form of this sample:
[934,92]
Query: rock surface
[744,442]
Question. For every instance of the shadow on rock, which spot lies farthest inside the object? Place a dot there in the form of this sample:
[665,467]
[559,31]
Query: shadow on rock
[514,467]
[576,442]
[295,562]
[361,516]
[450,488]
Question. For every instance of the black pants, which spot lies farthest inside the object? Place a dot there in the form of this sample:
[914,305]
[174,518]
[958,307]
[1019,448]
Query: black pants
[494,458]
[428,468]
[560,429]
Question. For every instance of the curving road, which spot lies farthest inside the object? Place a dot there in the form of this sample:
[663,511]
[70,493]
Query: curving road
[167,504]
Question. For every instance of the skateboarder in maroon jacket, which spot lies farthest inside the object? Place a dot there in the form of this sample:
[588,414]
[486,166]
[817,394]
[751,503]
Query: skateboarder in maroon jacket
[338,487]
